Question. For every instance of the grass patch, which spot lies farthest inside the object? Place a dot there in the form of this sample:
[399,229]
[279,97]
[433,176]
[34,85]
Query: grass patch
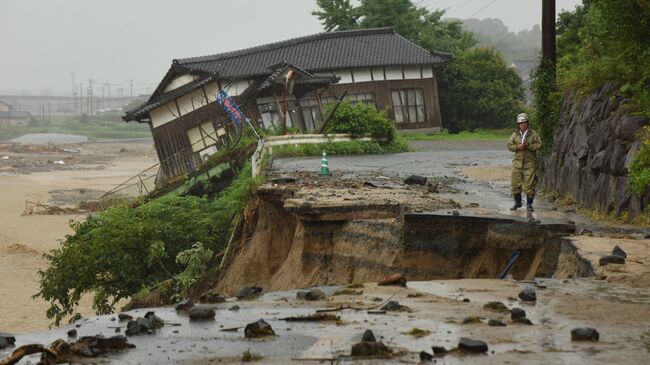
[342,148]
[475,135]
[249,356]
[417,332]
[92,130]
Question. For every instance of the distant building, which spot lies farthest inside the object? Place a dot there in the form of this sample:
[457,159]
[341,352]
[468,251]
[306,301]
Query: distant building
[10,117]
[376,66]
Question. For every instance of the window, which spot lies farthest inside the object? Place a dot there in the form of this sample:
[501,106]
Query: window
[271,118]
[408,105]
[204,136]
[311,112]
[368,98]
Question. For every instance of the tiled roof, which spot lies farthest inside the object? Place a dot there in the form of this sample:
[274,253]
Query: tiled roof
[323,51]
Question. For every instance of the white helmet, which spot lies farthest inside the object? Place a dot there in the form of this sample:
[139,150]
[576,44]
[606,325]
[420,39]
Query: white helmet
[522,118]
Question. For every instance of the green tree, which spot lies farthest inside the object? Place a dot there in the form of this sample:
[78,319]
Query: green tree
[481,91]
[336,14]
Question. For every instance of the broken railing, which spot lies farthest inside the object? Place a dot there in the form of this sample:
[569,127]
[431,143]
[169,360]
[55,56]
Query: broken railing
[265,146]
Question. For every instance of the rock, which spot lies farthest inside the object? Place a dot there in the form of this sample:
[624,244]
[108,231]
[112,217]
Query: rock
[201,313]
[415,180]
[439,350]
[617,251]
[124,317]
[315,294]
[72,333]
[425,356]
[156,322]
[258,329]
[465,300]
[6,340]
[212,298]
[184,305]
[516,313]
[392,305]
[496,306]
[234,308]
[455,213]
[394,279]
[138,326]
[249,292]
[368,336]
[365,348]
[528,295]
[584,334]
[93,346]
[474,346]
[496,323]
[471,319]
[611,259]
[522,321]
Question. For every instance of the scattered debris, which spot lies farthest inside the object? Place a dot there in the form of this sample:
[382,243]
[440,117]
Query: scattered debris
[212,298]
[393,305]
[283,180]
[516,313]
[496,306]
[432,187]
[249,356]
[611,259]
[528,295]
[234,308]
[466,300]
[312,295]
[44,209]
[584,334]
[316,317]
[201,313]
[471,319]
[370,347]
[425,356]
[415,180]
[258,329]
[348,292]
[184,305]
[617,251]
[417,332]
[439,350]
[414,295]
[249,292]
[93,346]
[23,351]
[72,333]
[522,321]
[496,323]
[394,279]
[6,340]
[381,184]
[474,346]
[124,317]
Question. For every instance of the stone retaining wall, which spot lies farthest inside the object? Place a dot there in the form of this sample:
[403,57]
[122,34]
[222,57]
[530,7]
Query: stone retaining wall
[595,142]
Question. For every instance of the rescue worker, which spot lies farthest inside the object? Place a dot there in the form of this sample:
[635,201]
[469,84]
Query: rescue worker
[524,142]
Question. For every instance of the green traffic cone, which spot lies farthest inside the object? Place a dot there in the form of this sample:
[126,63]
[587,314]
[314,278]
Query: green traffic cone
[324,168]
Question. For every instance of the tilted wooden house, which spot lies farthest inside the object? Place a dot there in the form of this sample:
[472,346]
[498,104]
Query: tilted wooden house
[375,66]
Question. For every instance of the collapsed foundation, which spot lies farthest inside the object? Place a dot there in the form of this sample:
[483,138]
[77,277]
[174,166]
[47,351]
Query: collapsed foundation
[294,242]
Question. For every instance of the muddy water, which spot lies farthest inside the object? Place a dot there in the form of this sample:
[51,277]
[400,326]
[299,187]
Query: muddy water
[24,238]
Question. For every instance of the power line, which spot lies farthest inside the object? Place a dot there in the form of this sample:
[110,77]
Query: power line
[483,8]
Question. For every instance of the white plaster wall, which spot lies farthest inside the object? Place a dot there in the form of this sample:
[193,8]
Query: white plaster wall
[236,87]
[427,72]
[185,104]
[411,72]
[345,75]
[180,81]
[212,89]
[362,75]
[198,98]
[163,114]
[393,73]
[378,73]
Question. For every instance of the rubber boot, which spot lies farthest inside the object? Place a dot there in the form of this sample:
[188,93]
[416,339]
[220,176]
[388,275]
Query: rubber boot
[517,202]
[529,203]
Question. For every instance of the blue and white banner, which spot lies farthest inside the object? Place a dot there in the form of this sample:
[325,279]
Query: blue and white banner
[230,107]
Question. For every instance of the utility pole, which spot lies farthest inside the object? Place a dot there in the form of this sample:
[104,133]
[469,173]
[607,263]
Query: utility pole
[90,97]
[131,83]
[548,34]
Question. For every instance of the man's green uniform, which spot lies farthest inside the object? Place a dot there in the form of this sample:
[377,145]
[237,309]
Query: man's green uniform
[524,161]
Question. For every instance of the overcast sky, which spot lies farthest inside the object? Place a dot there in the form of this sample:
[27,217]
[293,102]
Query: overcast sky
[48,44]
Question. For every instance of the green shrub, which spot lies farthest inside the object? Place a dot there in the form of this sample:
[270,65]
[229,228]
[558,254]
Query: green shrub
[639,172]
[121,251]
[360,120]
